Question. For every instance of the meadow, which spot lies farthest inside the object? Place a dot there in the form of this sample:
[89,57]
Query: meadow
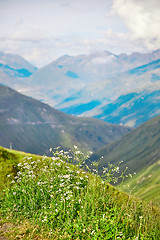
[52,198]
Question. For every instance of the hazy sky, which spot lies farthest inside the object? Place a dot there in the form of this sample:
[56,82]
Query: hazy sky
[43,30]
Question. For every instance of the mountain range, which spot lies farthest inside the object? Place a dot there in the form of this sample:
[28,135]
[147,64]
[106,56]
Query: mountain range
[12,66]
[118,89]
[132,109]
[93,85]
[29,125]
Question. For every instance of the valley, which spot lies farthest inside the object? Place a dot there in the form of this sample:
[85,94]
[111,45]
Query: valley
[32,126]
[88,85]
[102,103]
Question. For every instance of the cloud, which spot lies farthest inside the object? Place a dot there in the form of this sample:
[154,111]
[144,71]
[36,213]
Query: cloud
[42,31]
[142,19]
[19,21]
[29,35]
[99,60]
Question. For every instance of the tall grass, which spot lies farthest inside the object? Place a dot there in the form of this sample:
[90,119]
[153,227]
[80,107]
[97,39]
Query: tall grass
[61,201]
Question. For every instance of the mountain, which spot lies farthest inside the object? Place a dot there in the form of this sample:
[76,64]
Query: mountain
[14,70]
[138,149]
[83,79]
[32,126]
[145,184]
[78,75]
[16,62]
[132,109]
[137,58]
[144,68]
[87,85]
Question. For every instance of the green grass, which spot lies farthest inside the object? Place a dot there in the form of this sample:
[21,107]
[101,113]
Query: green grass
[138,149]
[50,198]
[146,184]
[9,160]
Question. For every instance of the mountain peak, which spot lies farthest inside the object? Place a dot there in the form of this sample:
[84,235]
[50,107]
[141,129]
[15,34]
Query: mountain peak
[16,62]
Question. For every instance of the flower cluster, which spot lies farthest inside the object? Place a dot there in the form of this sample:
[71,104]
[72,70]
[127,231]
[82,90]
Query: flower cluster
[47,183]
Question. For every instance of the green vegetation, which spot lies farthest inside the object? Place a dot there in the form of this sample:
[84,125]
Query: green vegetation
[49,198]
[31,126]
[145,184]
[140,152]
[8,164]
[138,149]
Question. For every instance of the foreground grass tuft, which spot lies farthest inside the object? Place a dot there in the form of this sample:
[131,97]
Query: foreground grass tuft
[49,198]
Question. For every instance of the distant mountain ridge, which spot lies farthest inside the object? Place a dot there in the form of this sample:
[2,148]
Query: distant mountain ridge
[32,126]
[147,67]
[132,109]
[86,85]
[14,70]
[22,72]
[16,62]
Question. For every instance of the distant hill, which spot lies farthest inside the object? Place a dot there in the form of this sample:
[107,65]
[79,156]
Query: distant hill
[147,67]
[32,126]
[14,66]
[132,109]
[138,149]
[16,62]
[146,184]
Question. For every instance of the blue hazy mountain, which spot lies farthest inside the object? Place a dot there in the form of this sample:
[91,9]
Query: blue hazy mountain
[132,109]
[14,70]
[146,68]
[84,85]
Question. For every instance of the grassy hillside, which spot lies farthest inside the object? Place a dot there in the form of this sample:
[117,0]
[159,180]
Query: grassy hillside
[137,149]
[51,199]
[146,184]
[32,126]
[9,160]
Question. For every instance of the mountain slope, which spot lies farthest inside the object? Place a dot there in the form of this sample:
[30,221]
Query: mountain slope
[16,62]
[89,85]
[147,67]
[146,184]
[132,109]
[95,77]
[32,126]
[48,193]
[14,71]
[137,149]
